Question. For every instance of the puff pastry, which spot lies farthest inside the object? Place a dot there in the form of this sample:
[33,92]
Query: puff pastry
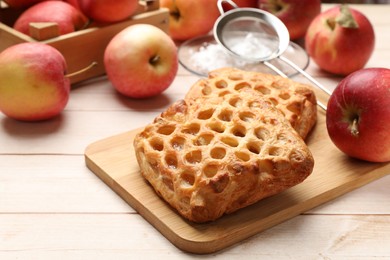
[213,155]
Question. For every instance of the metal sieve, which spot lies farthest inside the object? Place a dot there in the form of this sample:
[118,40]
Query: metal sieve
[255,35]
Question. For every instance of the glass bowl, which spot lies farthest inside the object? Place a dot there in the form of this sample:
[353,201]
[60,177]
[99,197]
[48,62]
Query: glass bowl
[203,54]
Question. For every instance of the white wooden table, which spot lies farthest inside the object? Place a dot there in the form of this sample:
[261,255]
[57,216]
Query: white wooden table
[53,207]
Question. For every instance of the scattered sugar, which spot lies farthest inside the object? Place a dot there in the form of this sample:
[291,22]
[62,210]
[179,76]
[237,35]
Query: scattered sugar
[212,56]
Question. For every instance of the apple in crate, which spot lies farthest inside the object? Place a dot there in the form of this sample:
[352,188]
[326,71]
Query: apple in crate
[340,40]
[295,14]
[190,18]
[67,17]
[33,85]
[358,115]
[107,10]
[141,61]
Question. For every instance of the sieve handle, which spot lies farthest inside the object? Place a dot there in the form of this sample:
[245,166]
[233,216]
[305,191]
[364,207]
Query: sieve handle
[230,2]
[274,68]
[315,82]
[278,71]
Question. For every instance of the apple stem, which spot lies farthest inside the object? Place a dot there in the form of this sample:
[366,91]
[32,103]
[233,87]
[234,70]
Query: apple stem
[93,64]
[331,23]
[175,14]
[354,127]
[154,59]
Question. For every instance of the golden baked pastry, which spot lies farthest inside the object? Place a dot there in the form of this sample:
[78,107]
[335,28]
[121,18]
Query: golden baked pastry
[211,158]
[295,100]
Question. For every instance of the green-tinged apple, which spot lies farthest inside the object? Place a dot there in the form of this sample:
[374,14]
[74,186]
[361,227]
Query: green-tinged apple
[22,3]
[67,17]
[358,115]
[108,11]
[33,85]
[141,61]
[340,40]
[190,18]
[295,14]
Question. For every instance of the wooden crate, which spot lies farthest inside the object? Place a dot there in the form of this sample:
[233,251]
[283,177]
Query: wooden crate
[83,47]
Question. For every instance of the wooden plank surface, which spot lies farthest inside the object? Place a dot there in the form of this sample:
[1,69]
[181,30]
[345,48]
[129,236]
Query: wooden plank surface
[125,236]
[113,160]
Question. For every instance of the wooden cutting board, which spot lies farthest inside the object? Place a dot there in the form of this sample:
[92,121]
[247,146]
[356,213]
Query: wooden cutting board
[113,160]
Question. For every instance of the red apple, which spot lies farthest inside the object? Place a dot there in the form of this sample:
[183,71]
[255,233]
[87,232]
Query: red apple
[246,3]
[190,18]
[240,3]
[22,3]
[107,10]
[74,3]
[295,14]
[141,61]
[65,15]
[358,115]
[340,40]
[33,85]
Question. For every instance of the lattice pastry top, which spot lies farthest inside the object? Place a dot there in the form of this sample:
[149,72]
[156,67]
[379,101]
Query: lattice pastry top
[295,100]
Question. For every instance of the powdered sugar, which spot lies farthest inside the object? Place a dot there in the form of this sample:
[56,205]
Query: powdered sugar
[251,46]
[212,56]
